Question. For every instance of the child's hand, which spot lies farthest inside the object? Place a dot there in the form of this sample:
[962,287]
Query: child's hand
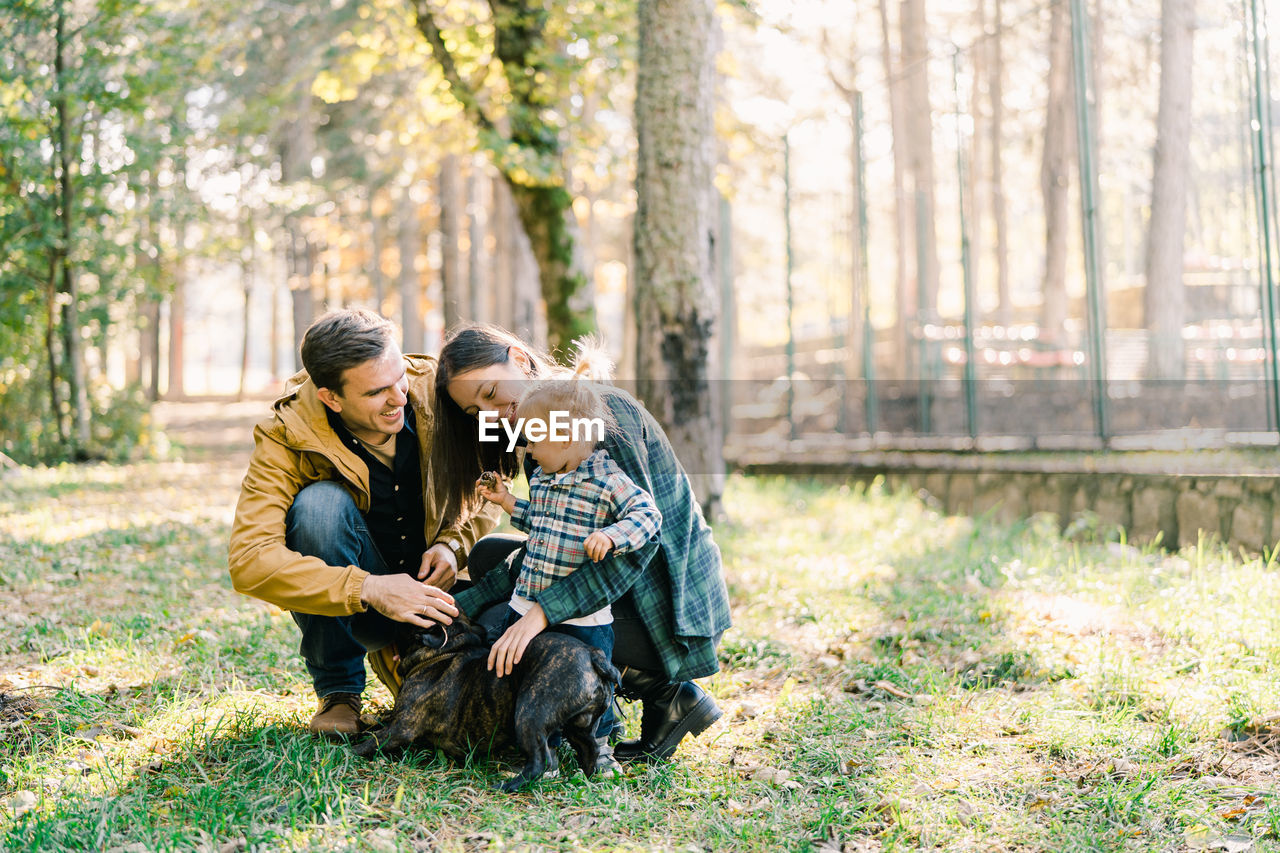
[506,653]
[598,544]
[491,487]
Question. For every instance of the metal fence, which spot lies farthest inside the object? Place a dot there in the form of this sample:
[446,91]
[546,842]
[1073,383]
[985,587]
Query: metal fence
[821,351]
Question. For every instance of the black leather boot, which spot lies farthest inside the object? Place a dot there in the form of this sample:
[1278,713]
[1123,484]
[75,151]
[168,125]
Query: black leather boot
[672,709]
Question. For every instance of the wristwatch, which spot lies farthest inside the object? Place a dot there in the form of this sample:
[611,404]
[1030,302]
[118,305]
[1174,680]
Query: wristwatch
[459,551]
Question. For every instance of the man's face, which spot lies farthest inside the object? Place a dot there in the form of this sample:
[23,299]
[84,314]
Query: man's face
[373,396]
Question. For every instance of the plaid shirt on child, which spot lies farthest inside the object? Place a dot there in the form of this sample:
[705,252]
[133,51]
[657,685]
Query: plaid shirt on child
[563,510]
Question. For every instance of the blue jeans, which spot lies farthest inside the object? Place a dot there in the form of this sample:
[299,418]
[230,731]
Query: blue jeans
[324,522]
[599,636]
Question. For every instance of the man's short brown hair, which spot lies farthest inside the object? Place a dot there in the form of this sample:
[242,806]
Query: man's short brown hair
[344,339]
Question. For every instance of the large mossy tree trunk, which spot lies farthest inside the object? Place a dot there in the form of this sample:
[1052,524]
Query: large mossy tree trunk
[529,153]
[675,297]
[546,212]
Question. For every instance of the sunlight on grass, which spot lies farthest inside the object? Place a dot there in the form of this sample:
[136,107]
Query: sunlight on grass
[895,679]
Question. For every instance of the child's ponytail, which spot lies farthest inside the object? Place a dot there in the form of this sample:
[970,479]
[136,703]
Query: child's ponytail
[591,361]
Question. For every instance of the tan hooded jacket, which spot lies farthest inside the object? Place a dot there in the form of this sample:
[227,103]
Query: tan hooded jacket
[296,447]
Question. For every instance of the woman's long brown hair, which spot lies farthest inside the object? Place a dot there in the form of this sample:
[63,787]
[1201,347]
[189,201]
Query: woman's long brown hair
[458,457]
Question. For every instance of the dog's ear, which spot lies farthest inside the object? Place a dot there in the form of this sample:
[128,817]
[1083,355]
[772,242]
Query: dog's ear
[434,637]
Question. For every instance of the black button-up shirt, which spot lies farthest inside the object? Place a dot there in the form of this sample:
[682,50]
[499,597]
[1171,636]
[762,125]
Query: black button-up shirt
[396,515]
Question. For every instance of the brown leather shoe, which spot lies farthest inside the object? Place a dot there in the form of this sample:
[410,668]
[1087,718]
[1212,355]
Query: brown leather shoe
[385,664]
[338,717]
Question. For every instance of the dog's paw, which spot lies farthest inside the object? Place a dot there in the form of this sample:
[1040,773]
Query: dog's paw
[515,783]
[366,748]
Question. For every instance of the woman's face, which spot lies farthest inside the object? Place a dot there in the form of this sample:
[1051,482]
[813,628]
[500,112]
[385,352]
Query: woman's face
[495,388]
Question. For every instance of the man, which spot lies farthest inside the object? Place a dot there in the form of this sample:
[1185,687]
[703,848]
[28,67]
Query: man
[333,522]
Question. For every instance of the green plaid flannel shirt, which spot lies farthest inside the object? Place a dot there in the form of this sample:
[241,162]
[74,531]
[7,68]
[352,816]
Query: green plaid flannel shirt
[675,581]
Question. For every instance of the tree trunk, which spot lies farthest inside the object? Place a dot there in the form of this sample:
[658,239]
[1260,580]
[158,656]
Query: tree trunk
[1055,177]
[975,189]
[676,299]
[450,231]
[302,299]
[77,393]
[545,208]
[903,352]
[376,235]
[247,259]
[919,129]
[176,388]
[518,289]
[297,148]
[999,210]
[476,254]
[148,262]
[546,212]
[51,350]
[1164,297]
[409,242]
[274,336]
[504,249]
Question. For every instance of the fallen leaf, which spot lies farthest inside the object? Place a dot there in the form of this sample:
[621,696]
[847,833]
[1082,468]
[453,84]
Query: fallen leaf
[19,802]
[1035,801]
[89,733]
[850,765]
[771,775]
[893,689]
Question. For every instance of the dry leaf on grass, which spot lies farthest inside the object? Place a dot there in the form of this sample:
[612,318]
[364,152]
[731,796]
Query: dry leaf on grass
[1199,837]
[18,803]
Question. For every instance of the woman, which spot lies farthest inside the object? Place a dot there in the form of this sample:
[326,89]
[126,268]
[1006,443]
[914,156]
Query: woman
[670,605]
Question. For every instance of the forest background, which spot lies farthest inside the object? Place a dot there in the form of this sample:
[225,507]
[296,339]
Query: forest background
[184,188]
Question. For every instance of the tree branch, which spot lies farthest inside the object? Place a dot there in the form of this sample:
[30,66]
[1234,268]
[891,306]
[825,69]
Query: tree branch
[459,88]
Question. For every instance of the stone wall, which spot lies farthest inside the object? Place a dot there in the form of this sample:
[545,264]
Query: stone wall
[1241,510]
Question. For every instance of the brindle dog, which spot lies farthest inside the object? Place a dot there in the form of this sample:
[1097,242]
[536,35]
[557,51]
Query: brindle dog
[451,701]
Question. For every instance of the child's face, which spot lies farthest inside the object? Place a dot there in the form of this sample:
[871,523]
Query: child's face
[557,457]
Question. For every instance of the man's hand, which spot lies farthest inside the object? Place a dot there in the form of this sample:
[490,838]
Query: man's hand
[598,544]
[439,566]
[510,647]
[404,599]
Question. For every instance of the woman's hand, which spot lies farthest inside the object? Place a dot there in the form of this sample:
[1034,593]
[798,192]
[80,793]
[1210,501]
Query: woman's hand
[439,567]
[506,653]
[598,544]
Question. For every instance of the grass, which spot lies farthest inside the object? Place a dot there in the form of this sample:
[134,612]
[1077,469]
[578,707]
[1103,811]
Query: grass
[896,679]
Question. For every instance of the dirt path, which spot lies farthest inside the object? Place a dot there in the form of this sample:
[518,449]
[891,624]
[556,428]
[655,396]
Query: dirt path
[206,429]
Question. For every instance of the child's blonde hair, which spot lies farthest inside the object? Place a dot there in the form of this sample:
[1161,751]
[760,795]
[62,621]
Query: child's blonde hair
[576,394]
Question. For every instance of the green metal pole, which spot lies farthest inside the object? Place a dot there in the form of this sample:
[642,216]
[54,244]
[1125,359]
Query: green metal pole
[1089,212]
[791,331]
[966,265]
[923,366]
[872,400]
[1260,109]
